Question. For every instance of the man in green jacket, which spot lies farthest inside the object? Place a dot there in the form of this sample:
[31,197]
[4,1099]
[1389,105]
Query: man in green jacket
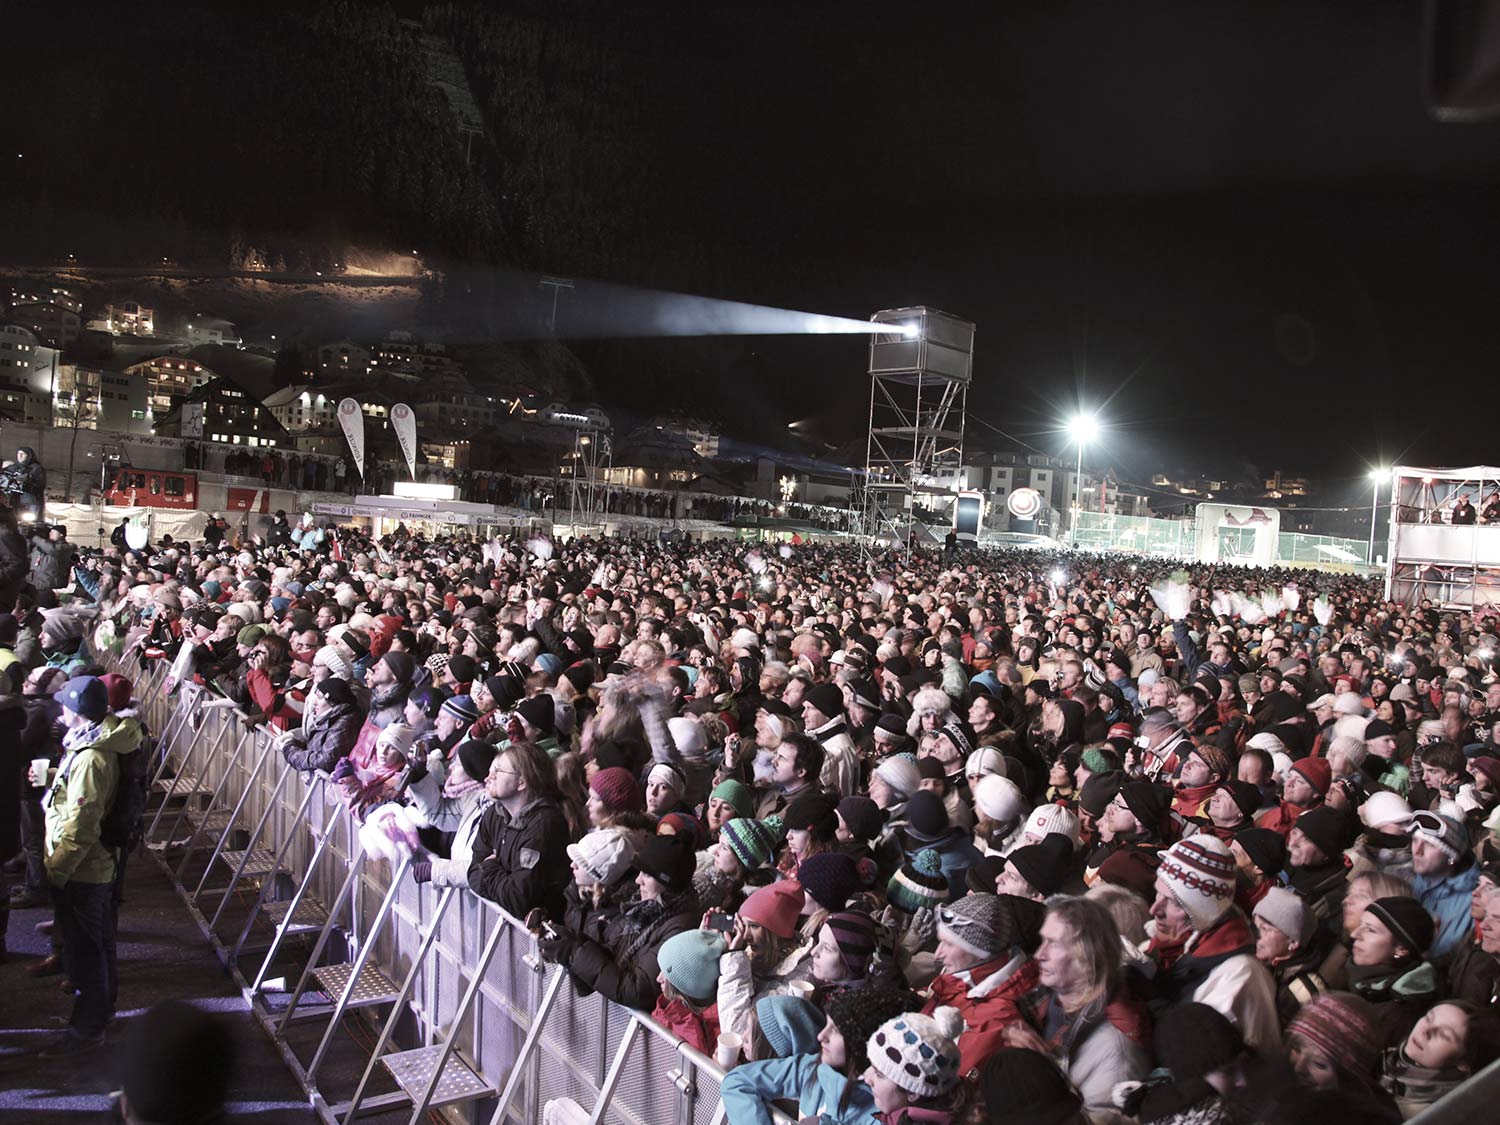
[79,866]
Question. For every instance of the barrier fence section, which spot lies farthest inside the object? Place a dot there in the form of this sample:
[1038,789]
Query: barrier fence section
[617,1064]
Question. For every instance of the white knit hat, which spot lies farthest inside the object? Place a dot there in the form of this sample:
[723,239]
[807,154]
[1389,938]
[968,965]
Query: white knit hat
[1351,747]
[690,736]
[1350,726]
[1200,873]
[1385,808]
[1058,820]
[900,772]
[1288,911]
[1266,741]
[999,799]
[331,658]
[985,761]
[1348,704]
[919,1053]
[604,853]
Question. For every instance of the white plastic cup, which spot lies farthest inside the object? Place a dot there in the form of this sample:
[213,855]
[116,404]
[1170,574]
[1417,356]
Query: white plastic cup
[727,1054]
[802,990]
[39,768]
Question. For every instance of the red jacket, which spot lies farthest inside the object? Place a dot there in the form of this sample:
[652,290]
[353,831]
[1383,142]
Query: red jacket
[699,1030]
[1281,818]
[988,1004]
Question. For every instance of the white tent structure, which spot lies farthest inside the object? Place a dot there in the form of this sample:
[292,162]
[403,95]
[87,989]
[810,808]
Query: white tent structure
[1430,556]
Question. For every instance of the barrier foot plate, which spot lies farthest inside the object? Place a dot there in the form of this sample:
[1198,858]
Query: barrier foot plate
[412,1071]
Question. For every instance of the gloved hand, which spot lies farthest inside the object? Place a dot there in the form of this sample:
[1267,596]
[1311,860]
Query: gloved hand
[557,950]
[342,768]
[421,871]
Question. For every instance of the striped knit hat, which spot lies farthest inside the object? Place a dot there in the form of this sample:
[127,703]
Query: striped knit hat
[856,935]
[753,842]
[919,882]
[1199,872]
[1345,1028]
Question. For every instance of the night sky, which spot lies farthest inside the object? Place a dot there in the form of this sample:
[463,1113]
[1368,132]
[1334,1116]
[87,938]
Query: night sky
[1233,227]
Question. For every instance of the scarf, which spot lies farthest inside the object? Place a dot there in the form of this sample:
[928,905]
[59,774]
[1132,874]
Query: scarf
[83,735]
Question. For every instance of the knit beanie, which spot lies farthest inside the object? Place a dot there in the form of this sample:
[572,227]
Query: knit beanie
[984,761]
[999,799]
[1331,829]
[1266,848]
[617,788]
[862,817]
[1025,1087]
[1095,760]
[959,735]
[918,882]
[1043,865]
[790,1024]
[540,711]
[735,793]
[1266,741]
[1408,921]
[670,860]
[927,816]
[1344,1027]
[1289,912]
[775,907]
[1020,922]
[1317,772]
[919,1053]
[826,698]
[176,1061]
[401,665]
[1385,808]
[829,878]
[1199,872]
[690,962]
[605,853]
[1148,801]
[1352,749]
[976,924]
[813,811]
[251,635]
[1215,759]
[1134,869]
[899,771]
[86,697]
[753,842]
[1447,833]
[117,690]
[1098,792]
[461,708]
[1192,1040]
[463,668]
[476,756]
[857,937]
[1054,820]
[858,1012]
[1246,797]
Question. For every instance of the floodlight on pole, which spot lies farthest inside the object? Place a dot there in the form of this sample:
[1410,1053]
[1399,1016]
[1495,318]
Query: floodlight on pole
[1376,475]
[1084,428]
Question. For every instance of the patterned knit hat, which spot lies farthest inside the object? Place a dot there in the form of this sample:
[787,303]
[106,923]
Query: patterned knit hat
[919,1053]
[857,936]
[775,907]
[919,882]
[605,853]
[1054,820]
[976,924]
[1345,1028]
[790,1024]
[690,962]
[858,1012]
[829,878]
[618,789]
[1199,873]
[753,842]
[1215,759]
[460,707]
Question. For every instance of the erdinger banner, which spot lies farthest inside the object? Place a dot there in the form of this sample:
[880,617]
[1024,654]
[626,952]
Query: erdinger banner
[352,419]
[404,422]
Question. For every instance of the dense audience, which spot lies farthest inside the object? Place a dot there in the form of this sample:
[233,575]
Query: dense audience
[988,837]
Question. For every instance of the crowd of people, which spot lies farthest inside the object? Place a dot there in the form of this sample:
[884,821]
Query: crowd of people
[936,837]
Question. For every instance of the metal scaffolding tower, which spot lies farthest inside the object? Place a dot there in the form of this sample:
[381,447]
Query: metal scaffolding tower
[919,384]
[588,481]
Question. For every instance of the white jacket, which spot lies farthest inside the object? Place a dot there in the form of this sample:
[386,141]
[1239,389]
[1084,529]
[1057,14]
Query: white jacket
[840,761]
[738,992]
[459,815]
[1243,990]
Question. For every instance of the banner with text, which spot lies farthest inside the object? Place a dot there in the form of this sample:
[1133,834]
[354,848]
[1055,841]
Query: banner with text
[404,422]
[352,419]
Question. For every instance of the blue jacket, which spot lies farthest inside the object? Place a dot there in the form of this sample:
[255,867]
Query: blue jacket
[818,1089]
[1447,898]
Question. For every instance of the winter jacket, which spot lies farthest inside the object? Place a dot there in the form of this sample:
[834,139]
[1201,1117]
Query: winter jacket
[52,562]
[1298,980]
[81,796]
[521,862]
[1218,968]
[1099,1048]
[1447,899]
[739,990]
[626,971]
[42,731]
[988,996]
[458,815]
[1400,994]
[699,1030]
[1473,974]
[821,1093]
[15,565]
[326,738]
[840,758]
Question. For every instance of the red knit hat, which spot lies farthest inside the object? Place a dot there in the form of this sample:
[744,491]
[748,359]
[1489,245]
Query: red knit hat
[618,789]
[776,907]
[1344,1027]
[119,689]
[1317,771]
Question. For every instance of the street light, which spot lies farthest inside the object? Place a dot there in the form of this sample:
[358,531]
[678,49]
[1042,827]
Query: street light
[1084,428]
[1375,478]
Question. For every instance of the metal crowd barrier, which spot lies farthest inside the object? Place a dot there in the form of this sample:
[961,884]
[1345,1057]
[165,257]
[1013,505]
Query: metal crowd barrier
[491,1034]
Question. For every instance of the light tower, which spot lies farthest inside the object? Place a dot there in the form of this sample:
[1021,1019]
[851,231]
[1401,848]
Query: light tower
[919,383]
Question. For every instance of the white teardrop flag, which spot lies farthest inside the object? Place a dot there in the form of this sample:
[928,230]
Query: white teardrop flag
[352,419]
[404,422]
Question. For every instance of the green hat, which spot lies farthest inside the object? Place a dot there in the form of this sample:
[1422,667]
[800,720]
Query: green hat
[250,635]
[753,842]
[735,793]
